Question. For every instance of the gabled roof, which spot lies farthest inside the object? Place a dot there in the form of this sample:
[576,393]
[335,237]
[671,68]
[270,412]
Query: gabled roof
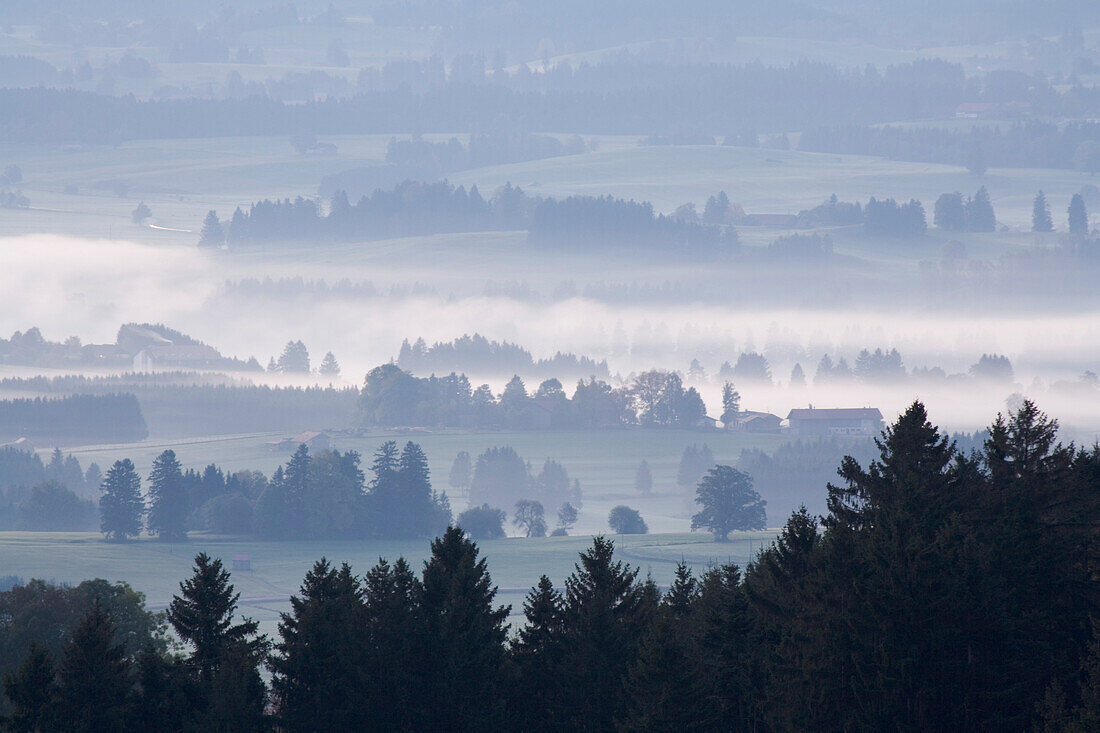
[836,413]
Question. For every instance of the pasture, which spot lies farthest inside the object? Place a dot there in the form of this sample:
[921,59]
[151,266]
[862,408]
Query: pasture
[156,568]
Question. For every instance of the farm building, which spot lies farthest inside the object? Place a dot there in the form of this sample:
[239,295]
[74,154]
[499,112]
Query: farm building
[754,422]
[312,440]
[855,421]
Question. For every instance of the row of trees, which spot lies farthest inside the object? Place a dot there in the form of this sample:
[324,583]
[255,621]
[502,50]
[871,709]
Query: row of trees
[478,354]
[1077,215]
[939,591]
[313,496]
[392,397]
[1031,144]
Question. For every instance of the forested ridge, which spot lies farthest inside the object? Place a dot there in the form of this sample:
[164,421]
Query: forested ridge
[940,591]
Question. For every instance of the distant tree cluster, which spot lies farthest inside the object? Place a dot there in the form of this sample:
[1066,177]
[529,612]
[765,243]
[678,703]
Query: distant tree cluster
[502,478]
[484,149]
[953,213]
[889,218]
[478,354]
[1031,144]
[113,418]
[414,209]
[392,397]
[324,495]
[188,403]
[906,603]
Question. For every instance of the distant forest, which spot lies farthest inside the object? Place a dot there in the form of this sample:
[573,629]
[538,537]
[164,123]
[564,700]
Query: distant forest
[178,404]
[413,209]
[84,418]
[615,97]
[656,398]
[1031,144]
[477,354]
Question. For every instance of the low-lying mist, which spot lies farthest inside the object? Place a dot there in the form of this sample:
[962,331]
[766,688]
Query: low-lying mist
[68,286]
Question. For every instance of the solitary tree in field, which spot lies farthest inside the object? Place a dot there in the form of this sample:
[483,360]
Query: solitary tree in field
[1041,220]
[168,503]
[624,520]
[1078,216]
[530,516]
[121,507]
[728,502]
[567,517]
[212,233]
[140,213]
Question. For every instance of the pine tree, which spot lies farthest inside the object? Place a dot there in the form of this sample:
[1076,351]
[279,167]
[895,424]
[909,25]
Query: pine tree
[798,377]
[1078,216]
[393,696]
[30,689]
[329,366]
[465,635]
[1041,220]
[536,655]
[461,471]
[168,500]
[606,613]
[731,403]
[979,212]
[212,234]
[202,615]
[93,680]
[643,479]
[121,507]
[317,678]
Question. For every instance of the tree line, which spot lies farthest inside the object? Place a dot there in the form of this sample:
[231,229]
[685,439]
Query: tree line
[939,591]
[1030,144]
[416,209]
[113,418]
[392,396]
[323,495]
[478,354]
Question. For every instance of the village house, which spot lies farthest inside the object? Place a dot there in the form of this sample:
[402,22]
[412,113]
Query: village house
[849,421]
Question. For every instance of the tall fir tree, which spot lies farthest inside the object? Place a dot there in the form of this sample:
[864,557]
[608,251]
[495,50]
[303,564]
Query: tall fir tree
[202,616]
[30,691]
[464,642]
[317,672]
[1041,220]
[94,680]
[606,614]
[121,507]
[168,501]
[1078,215]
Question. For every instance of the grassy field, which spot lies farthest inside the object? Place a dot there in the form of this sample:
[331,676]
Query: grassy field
[278,567]
[603,461]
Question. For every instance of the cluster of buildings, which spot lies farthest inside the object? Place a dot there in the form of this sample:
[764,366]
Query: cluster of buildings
[812,422]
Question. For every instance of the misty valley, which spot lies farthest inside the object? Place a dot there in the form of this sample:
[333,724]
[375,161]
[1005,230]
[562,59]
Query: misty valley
[482,365]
